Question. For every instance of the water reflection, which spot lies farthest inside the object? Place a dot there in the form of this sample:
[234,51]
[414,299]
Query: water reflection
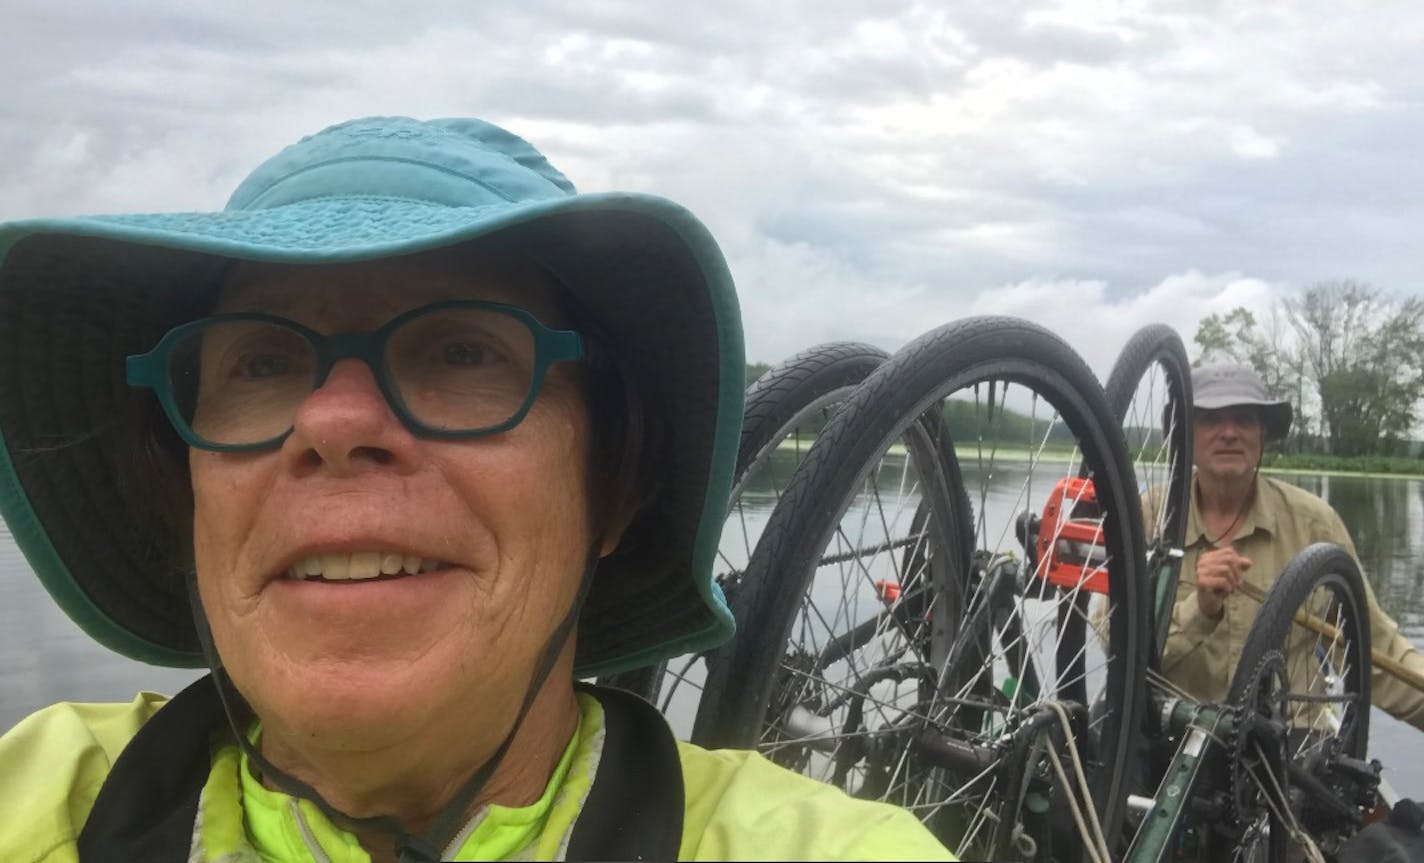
[45,658]
[1385,518]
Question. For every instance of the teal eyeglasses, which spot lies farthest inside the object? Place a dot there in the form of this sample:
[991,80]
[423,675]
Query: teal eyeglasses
[455,369]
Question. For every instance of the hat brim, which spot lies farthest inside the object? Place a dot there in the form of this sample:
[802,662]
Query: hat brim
[78,295]
[1277,419]
[1276,416]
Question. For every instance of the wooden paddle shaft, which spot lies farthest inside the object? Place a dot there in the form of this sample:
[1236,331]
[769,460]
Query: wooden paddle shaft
[1393,667]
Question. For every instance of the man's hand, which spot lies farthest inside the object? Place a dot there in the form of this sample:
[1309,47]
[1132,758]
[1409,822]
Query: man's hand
[1218,575]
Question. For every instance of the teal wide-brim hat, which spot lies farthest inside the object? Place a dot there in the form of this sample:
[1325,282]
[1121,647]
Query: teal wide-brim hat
[78,295]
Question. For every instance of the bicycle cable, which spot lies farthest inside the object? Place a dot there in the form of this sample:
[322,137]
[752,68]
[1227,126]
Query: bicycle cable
[1089,841]
[1287,817]
[1096,837]
[1168,685]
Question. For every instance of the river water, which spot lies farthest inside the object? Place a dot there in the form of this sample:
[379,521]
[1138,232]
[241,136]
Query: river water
[45,658]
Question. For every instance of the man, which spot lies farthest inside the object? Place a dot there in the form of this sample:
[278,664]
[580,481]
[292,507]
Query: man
[1244,527]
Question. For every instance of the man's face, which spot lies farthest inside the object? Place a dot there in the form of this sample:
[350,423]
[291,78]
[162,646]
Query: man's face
[1227,441]
[500,522]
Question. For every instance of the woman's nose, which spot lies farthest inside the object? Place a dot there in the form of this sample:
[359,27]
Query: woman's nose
[346,425]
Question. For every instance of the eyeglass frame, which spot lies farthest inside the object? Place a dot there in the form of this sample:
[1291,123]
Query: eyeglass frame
[151,370]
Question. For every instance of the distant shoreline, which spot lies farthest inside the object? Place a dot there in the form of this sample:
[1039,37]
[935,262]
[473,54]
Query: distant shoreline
[968,453]
[1304,471]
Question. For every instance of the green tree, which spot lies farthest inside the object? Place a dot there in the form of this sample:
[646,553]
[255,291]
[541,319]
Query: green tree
[756,370]
[1342,348]
[1232,337]
[1364,352]
[969,420]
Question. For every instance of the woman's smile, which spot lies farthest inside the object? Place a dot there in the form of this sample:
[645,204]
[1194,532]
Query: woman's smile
[362,566]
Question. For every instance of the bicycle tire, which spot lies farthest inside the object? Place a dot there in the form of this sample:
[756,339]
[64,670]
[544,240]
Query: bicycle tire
[1164,512]
[893,399]
[1323,580]
[777,403]
[785,393]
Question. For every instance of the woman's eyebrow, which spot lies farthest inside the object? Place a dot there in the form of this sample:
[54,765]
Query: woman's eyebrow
[254,295]
[327,307]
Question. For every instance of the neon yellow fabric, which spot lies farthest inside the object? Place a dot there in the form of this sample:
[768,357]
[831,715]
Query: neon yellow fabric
[742,807]
[276,832]
[739,805]
[222,833]
[51,767]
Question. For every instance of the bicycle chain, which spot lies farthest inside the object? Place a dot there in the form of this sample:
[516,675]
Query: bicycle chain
[1248,800]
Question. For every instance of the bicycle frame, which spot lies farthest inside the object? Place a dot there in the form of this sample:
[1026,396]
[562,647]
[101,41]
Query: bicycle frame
[1200,757]
[1203,727]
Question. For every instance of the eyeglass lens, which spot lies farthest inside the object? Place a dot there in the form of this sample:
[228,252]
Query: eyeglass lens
[240,382]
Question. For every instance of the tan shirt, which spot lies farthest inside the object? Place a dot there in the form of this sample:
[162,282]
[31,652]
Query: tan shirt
[1201,654]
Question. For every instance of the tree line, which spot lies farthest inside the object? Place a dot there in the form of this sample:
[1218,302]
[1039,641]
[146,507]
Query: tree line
[1348,356]
[967,420]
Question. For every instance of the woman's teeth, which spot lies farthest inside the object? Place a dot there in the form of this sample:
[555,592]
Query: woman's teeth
[361,565]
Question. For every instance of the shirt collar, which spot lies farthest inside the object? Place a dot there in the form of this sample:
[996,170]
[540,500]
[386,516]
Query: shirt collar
[1261,515]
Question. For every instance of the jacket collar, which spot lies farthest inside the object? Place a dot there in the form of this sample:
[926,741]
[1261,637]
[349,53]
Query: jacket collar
[148,805]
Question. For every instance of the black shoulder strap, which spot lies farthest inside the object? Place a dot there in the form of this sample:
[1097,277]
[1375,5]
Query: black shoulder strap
[634,809]
[147,805]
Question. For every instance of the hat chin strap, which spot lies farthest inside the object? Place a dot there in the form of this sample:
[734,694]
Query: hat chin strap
[409,847]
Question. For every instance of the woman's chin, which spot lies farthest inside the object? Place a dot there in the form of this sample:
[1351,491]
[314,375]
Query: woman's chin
[355,705]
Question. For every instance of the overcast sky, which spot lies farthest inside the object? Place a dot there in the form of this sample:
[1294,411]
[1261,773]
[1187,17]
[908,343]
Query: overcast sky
[870,168]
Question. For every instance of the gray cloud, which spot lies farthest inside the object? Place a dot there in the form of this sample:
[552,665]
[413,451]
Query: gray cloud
[842,151]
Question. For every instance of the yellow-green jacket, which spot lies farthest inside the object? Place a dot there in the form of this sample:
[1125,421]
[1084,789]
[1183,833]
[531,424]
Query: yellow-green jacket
[736,804]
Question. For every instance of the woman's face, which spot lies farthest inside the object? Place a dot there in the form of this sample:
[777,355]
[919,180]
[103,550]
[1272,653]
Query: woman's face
[500,522]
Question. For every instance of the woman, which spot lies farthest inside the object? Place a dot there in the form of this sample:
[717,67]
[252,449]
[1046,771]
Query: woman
[399,445]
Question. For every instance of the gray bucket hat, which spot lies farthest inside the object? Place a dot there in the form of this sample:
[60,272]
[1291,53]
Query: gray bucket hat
[1224,385]
[78,295]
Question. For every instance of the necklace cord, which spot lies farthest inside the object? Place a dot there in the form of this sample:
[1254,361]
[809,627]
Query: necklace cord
[1246,504]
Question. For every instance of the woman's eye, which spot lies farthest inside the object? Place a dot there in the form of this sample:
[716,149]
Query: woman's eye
[468,354]
[264,366]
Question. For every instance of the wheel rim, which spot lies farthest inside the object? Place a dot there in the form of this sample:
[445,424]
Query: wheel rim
[755,493]
[1154,426]
[855,671]
[1149,389]
[1288,782]
[923,713]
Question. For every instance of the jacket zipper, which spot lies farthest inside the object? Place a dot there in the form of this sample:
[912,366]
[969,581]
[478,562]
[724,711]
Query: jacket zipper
[315,849]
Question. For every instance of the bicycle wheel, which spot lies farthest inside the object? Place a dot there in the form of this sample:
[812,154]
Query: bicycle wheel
[1150,392]
[1302,696]
[785,409]
[906,650]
